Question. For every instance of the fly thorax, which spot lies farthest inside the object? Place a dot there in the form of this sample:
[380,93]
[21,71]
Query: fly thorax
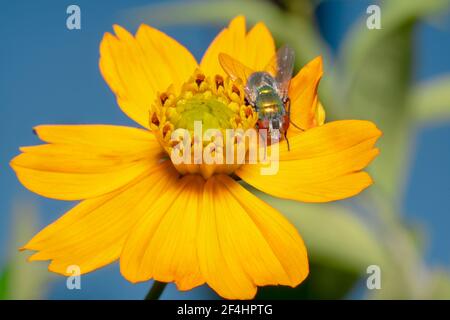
[255,82]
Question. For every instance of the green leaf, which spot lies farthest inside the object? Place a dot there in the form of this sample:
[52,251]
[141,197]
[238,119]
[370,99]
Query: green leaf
[376,80]
[5,276]
[430,102]
[25,280]
[440,285]
[395,15]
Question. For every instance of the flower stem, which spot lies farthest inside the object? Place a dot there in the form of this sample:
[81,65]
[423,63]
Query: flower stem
[156,290]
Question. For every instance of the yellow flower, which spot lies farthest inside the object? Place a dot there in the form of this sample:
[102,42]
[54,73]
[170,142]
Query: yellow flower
[188,224]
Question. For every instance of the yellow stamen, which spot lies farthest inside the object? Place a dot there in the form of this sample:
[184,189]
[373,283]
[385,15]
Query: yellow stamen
[216,103]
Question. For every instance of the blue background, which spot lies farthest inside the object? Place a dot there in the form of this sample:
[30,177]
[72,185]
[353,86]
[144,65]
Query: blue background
[49,75]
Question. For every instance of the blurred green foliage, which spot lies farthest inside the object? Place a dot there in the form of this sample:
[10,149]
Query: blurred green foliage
[19,279]
[370,78]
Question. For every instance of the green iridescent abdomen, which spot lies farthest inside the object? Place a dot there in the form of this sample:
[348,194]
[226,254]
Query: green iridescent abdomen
[268,103]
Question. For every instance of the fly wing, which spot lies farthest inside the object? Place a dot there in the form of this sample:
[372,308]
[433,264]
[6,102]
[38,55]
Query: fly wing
[234,68]
[281,67]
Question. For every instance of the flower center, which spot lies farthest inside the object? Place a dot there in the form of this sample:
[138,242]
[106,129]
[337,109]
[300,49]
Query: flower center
[204,109]
[213,113]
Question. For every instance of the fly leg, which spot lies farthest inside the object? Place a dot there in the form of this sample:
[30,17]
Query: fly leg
[263,139]
[287,140]
[287,104]
[288,111]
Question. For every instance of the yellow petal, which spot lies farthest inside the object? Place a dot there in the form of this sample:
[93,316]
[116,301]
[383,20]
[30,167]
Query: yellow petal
[85,161]
[162,245]
[109,137]
[260,47]
[323,163]
[254,49]
[93,233]
[244,243]
[320,114]
[138,68]
[304,100]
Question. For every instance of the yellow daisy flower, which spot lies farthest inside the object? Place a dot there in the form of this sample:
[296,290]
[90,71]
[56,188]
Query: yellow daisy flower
[189,224]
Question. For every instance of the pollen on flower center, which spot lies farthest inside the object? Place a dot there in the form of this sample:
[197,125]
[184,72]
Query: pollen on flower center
[215,102]
[213,113]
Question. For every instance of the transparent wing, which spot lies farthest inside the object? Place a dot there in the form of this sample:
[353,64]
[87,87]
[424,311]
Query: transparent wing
[281,67]
[272,66]
[234,68]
